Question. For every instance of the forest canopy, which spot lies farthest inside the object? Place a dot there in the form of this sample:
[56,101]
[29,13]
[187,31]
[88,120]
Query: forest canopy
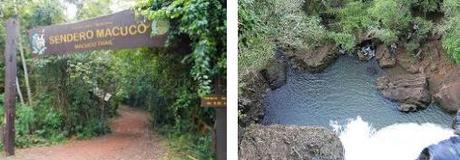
[167,83]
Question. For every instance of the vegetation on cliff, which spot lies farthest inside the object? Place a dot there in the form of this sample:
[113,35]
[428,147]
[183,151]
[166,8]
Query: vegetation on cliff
[265,25]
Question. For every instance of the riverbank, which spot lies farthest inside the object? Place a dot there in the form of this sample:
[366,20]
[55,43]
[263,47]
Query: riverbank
[434,65]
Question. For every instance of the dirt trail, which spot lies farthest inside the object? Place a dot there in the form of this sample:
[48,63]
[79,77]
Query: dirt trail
[131,139]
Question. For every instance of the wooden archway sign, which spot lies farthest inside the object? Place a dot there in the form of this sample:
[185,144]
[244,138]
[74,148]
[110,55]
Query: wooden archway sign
[115,31]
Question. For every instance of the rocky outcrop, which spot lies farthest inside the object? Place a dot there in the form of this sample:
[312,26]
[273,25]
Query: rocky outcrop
[448,95]
[275,74]
[361,56]
[250,99]
[404,107]
[409,89]
[448,149]
[384,58]
[314,61]
[290,142]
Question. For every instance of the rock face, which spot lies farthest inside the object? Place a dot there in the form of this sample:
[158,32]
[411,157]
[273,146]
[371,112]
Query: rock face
[411,90]
[384,58]
[316,60]
[250,101]
[456,123]
[290,142]
[275,74]
[448,149]
[448,95]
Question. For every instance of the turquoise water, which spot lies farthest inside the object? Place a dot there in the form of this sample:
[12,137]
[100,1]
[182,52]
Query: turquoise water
[343,91]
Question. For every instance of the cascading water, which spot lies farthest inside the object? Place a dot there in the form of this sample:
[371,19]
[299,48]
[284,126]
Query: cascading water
[401,141]
[371,126]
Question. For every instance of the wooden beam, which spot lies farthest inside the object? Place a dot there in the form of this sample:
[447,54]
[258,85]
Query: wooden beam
[12,30]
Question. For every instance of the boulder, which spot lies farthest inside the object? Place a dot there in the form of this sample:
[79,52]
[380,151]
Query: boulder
[448,149]
[314,61]
[407,107]
[456,123]
[384,58]
[408,89]
[290,142]
[275,74]
[250,99]
[448,95]
[361,56]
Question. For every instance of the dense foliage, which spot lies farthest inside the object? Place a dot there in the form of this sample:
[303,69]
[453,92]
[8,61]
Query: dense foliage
[203,22]
[451,28]
[65,104]
[180,79]
[268,24]
[168,82]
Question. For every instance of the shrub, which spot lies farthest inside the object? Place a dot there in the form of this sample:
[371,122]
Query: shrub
[426,6]
[411,47]
[291,26]
[391,14]
[255,48]
[255,54]
[451,29]
[451,8]
[348,41]
[354,18]
[385,35]
[424,28]
[451,42]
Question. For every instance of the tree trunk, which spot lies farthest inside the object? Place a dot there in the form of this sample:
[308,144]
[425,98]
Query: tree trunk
[19,91]
[26,74]
[23,59]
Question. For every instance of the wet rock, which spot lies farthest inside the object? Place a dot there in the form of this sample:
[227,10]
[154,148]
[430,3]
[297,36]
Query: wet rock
[290,142]
[448,149]
[408,89]
[250,100]
[361,56]
[456,123]
[407,107]
[448,95]
[275,74]
[314,61]
[384,58]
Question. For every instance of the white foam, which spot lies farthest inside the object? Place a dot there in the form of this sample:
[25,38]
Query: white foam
[403,141]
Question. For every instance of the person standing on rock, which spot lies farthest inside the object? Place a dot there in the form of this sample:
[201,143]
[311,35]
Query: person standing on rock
[393,48]
[414,29]
[342,50]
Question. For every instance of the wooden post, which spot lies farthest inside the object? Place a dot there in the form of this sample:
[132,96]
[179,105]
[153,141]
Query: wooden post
[12,30]
[221,133]
[218,101]
[220,124]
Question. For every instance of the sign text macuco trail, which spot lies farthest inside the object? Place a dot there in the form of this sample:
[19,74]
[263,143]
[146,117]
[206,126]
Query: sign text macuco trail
[119,30]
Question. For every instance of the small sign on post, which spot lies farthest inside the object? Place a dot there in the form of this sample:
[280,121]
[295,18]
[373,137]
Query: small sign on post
[215,101]
[219,103]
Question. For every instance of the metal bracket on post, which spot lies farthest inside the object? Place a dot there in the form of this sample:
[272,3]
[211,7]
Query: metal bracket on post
[12,30]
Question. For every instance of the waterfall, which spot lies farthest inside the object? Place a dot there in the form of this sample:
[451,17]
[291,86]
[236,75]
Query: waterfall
[400,141]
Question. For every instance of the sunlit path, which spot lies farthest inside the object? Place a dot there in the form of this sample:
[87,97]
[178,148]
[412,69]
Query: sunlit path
[131,139]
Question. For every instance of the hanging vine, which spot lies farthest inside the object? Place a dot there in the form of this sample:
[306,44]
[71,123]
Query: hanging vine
[203,22]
